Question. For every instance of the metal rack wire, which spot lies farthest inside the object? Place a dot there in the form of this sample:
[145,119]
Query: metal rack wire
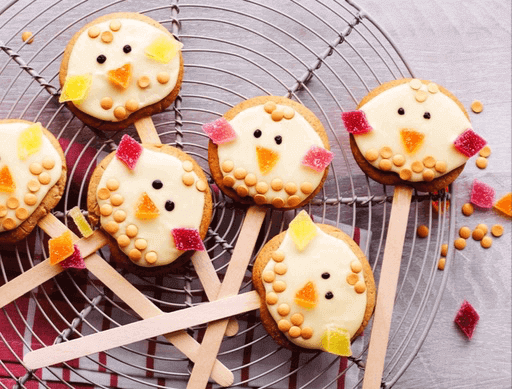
[326,54]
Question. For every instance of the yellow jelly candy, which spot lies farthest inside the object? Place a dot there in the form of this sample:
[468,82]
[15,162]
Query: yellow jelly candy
[307,297]
[267,159]
[76,88]
[60,247]
[504,205]
[6,182]
[30,141]
[163,49]
[81,222]
[146,208]
[121,76]
[411,139]
[302,230]
[336,340]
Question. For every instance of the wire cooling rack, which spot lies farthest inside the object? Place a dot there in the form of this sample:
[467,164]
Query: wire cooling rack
[325,54]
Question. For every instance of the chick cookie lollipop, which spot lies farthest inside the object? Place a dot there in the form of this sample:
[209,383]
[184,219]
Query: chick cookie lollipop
[120,68]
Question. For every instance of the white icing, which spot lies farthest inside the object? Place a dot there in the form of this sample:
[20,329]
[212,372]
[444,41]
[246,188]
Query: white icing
[138,35]
[297,138]
[446,123]
[324,253]
[9,133]
[187,213]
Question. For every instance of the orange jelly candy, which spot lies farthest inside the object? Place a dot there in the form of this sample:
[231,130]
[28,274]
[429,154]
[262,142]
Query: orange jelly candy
[6,182]
[504,205]
[306,297]
[267,159]
[412,139]
[121,76]
[60,247]
[146,208]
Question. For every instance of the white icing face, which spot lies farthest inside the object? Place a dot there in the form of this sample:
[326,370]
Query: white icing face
[283,181]
[174,195]
[114,44]
[325,265]
[24,182]
[424,115]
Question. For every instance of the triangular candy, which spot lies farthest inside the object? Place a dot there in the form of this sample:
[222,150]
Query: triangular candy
[121,76]
[6,182]
[146,208]
[267,159]
[412,140]
[30,141]
[307,297]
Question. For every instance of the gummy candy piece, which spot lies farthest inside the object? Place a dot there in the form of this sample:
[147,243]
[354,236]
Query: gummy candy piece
[129,151]
[317,158]
[336,340]
[60,247]
[30,141]
[504,205]
[146,208]
[467,319]
[6,182]
[482,195]
[219,131]
[187,239]
[306,297]
[75,261]
[80,221]
[355,122]
[75,88]
[469,143]
[302,230]
[163,49]
[411,139]
[121,76]
[267,159]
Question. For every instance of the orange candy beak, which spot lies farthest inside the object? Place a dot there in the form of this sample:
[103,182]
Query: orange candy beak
[146,208]
[411,139]
[121,77]
[267,159]
[306,297]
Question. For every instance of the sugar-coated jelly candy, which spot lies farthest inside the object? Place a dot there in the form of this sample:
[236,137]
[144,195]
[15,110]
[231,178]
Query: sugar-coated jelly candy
[163,49]
[302,230]
[187,239]
[469,143]
[81,222]
[219,131]
[146,208]
[467,319]
[317,158]
[75,261]
[336,340]
[482,195]
[75,88]
[30,141]
[267,159]
[121,76]
[60,247]
[355,122]
[7,183]
[129,151]
[307,296]
[412,140]
[504,205]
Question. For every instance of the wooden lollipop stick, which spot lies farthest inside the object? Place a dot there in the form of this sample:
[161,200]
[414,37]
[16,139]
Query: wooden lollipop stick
[143,329]
[387,287]
[230,286]
[137,301]
[147,131]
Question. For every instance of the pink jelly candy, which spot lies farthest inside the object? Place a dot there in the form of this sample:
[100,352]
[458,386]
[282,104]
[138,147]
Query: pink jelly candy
[219,131]
[467,319]
[482,195]
[129,151]
[355,122]
[187,239]
[75,261]
[317,158]
[469,143]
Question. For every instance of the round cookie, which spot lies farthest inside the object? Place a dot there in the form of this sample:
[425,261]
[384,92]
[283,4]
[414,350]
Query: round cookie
[119,68]
[269,150]
[144,210]
[32,177]
[314,287]
[411,132]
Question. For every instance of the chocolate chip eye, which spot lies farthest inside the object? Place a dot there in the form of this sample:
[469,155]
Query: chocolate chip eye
[169,205]
[401,111]
[325,276]
[278,139]
[329,295]
[157,184]
[426,115]
[257,133]
[101,58]
[127,49]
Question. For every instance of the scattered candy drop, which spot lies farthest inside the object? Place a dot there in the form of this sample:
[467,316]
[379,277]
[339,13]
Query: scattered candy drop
[75,261]
[355,122]
[302,230]
[163,49]
[219,131]
[121,76]
[467,319]
[187,239]
[146,208]
[469,143]
[336,340]
[129,151]
[60,247]
[30,141]
[317,158]
[482,195]
[75,88]
[6,182]
[80,221]
[306,297]
[504,205]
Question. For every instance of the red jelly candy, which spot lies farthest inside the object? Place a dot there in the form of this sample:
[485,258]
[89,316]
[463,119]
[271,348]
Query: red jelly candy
[469,143]
[187,239]
[317,158]
[355,122]
[482,195]
[219,131]
[467,319]
[129,151]
[75,261]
